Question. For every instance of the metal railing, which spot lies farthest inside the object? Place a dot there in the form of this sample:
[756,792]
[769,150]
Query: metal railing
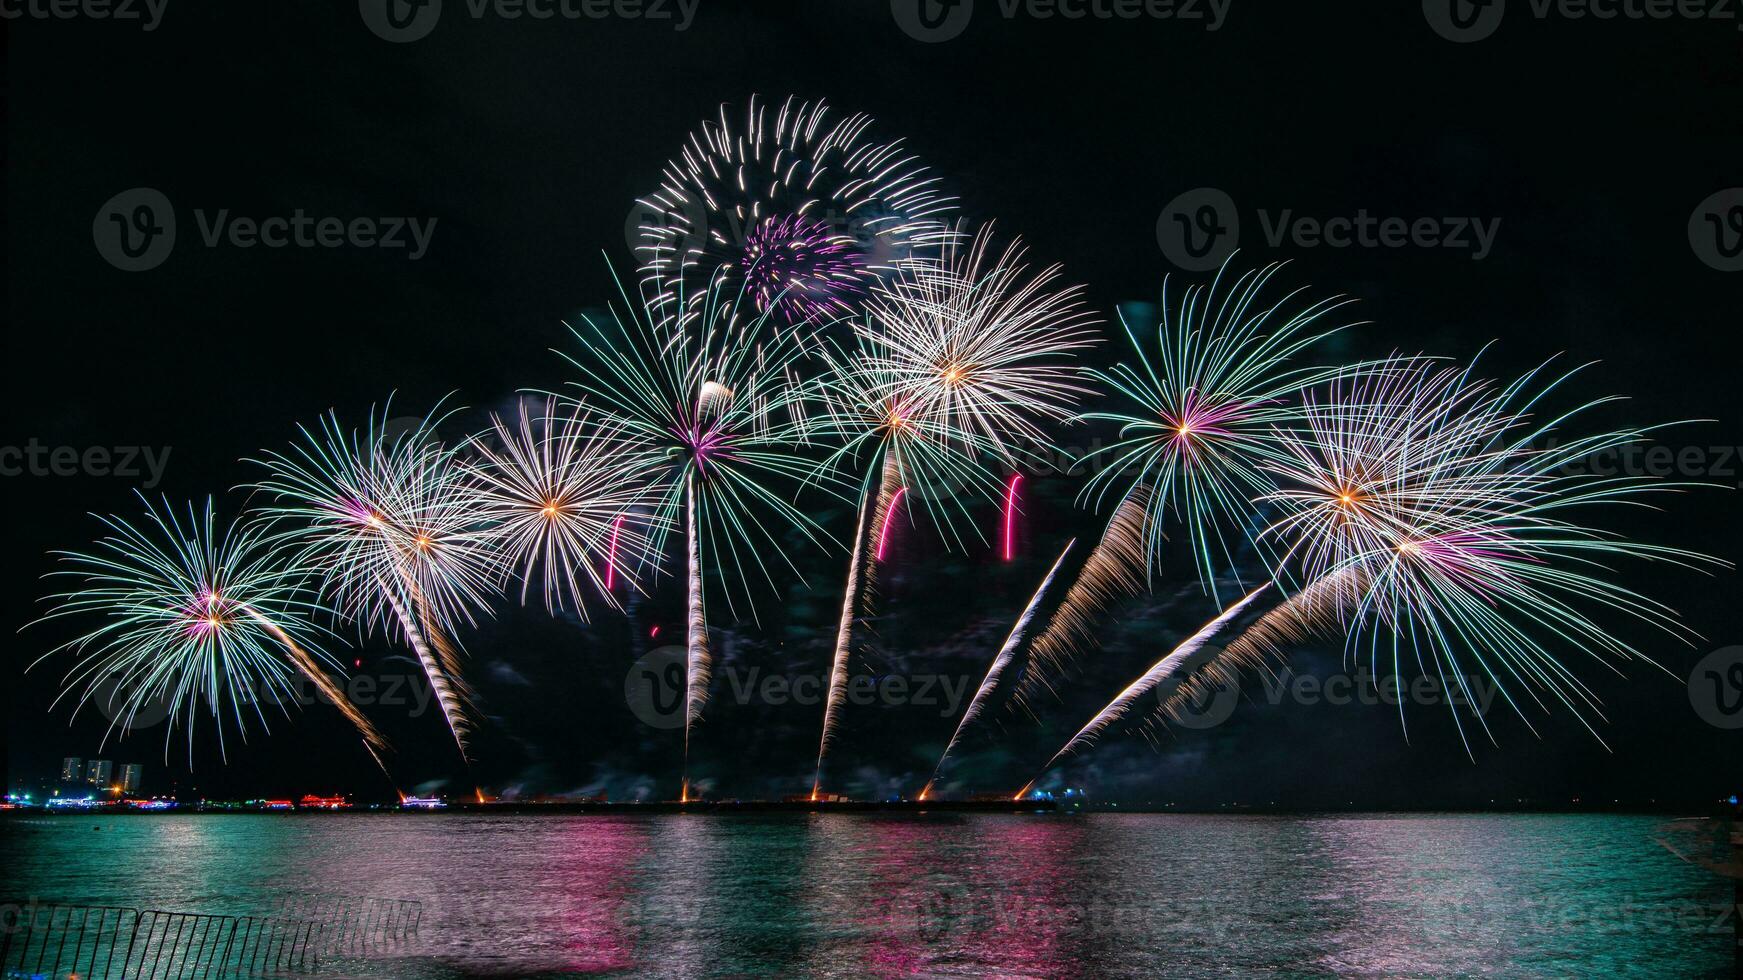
[89,942]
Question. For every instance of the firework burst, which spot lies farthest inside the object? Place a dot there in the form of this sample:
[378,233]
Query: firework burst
[1462,505]
[563,496]
[956,362]
[716,394]
[907,451]
[802,211]
[983,343]
[1212,395]
[192,612]
[387,520]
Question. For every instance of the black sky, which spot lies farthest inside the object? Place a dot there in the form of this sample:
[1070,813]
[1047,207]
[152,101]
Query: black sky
[1591,141]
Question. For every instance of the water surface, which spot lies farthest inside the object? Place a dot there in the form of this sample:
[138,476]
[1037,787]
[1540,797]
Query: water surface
[902,895]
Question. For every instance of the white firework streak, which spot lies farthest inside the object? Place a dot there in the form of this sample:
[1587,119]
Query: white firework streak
[1168,669]
[874,511]
[995,671]
[1114,570]
[714,392]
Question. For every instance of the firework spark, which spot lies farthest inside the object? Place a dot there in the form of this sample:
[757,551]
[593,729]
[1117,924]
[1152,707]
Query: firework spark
[803,212]
[191,612]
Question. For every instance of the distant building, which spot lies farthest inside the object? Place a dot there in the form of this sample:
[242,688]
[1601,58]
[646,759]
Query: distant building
[72,769]
[132,774]
[100,773]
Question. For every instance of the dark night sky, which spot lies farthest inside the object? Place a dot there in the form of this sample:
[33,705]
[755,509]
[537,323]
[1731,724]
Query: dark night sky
[1591,141]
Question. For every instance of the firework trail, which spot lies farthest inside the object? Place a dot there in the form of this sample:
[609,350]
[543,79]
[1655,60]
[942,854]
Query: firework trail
[1460,504]
[555,491]
[192,613]
[802,212]
[884,529]
[908,448]
[874,512]
[387,520]
[714,393]
[1213,395]
[995,672]
[1166,671]
[957,361]
[1320,610]
[1114,570]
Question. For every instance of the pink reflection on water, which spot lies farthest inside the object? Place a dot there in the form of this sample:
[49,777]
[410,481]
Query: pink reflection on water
[598,884]
[1005,907]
